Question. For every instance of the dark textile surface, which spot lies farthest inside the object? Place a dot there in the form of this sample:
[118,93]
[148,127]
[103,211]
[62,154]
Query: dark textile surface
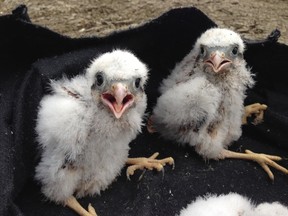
[30,55]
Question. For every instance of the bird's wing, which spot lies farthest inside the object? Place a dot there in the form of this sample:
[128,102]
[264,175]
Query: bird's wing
[181,73]
[76,87]
[189,104]
[62,123]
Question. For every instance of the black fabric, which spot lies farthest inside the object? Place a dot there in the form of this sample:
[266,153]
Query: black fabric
[30,55]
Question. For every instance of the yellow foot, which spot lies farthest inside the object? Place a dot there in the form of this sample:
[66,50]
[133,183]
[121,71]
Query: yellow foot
[263,160]
[255,109]
[75,205]
[150,127]
[148,163]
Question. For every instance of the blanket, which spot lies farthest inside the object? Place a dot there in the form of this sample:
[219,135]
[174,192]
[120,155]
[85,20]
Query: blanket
[30,55]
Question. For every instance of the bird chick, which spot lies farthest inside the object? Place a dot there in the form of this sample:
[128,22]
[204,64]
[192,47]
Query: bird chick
[232,204]
[201,102]
[85,125]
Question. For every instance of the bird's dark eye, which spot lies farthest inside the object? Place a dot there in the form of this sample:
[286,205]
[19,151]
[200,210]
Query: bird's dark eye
[99,79]
[235,50]
[137,82]
[202,50]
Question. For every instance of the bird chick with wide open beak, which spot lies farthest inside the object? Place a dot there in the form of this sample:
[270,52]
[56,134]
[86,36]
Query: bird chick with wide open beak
[118,99]
[217,60]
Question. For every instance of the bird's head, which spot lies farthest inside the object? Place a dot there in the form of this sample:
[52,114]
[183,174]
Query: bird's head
[218,50]
[117,81]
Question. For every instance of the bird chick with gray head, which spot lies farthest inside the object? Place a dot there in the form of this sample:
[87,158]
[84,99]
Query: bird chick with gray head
[202,101]
[85,125]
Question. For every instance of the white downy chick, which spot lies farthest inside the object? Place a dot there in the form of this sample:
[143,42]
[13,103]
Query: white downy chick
[231,204]
[85,125]
[202,101]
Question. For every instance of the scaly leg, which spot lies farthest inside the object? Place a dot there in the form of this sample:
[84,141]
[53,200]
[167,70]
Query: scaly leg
[256,109]
[75,205]
[148,163]
[263,160]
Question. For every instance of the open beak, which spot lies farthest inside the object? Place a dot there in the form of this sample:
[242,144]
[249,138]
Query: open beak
[118,99]
[218,61]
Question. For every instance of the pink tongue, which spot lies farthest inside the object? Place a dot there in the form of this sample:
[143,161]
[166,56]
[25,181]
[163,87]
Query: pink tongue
[117,107]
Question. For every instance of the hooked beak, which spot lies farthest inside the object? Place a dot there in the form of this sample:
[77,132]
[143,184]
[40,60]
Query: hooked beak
[118,99]
[218,61]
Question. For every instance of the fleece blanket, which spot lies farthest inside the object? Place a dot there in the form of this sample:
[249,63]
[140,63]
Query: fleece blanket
[30,55]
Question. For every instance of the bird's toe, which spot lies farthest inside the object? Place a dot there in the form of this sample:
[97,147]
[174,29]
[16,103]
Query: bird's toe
[91,210]
[147,163]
